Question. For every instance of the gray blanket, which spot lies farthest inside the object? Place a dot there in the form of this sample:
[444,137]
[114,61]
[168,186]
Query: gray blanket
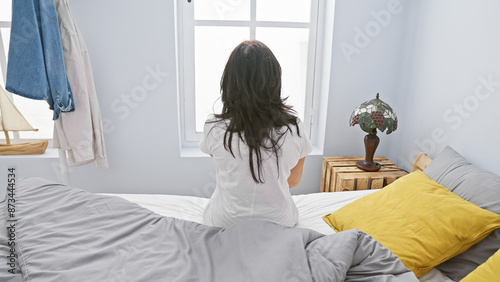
[67,234]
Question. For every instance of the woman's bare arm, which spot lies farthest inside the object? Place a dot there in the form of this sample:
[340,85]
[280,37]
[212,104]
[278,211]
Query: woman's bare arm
[296,174]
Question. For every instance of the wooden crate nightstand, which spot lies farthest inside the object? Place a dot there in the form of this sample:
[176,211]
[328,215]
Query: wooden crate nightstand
[341,174]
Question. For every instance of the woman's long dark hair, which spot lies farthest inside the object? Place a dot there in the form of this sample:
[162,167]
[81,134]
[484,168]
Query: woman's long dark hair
[252,103]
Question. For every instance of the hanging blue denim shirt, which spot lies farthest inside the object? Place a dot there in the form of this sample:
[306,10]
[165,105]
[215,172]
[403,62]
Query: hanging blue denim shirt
[36,63]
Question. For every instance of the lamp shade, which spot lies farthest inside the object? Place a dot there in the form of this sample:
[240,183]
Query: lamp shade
[374,114]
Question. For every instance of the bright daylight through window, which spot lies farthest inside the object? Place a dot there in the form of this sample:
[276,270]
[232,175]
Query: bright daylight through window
[37,112]
[210,29]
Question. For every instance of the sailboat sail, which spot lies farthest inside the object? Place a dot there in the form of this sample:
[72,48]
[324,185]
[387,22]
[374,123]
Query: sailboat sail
[11,118]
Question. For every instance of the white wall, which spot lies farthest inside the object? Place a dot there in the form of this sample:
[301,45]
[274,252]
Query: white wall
[126,38]
[428,56]
[27,167]
[143,147]
[450,48]
[370,65]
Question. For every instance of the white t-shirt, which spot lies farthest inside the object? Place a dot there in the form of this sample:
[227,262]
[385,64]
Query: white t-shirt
[237,197]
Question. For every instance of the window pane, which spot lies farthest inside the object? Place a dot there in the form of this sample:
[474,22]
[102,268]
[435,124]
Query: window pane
[5,39]
[5,36]
[213,45]
[2,82]
[5,10]
[290,46]
[236,10]
[284,10]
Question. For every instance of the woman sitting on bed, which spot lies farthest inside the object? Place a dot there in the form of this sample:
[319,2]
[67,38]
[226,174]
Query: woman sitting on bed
[257,142]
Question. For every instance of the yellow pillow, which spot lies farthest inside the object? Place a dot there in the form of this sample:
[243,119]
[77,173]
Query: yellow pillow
[420,221]
[486,272]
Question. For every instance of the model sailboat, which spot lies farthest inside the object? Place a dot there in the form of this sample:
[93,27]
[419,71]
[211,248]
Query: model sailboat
[12,120]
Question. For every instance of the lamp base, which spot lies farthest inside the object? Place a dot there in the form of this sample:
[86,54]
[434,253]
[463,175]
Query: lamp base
[371,143]
[370,166]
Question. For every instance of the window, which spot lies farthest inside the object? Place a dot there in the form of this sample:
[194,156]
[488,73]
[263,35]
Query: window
[209,30]
[37,112]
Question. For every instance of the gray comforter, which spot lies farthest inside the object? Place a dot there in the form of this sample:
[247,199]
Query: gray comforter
[67,234]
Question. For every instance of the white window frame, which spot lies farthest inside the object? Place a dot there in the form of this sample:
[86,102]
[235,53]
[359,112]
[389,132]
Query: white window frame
[3,66]
[3,57]
[317,82]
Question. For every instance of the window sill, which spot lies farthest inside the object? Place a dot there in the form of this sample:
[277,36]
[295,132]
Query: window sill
[194,152]
[317,151]
[50,153]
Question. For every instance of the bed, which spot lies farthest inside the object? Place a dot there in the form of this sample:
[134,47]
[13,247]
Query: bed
[61,233]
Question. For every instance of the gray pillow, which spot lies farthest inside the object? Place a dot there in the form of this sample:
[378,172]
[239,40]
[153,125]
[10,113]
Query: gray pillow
[477,186]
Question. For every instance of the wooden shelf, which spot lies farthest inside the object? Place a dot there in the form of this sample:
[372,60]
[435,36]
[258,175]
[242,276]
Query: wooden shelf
[341,174]
[50,153]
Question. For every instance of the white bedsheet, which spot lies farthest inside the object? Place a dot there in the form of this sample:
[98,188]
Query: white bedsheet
[312,208]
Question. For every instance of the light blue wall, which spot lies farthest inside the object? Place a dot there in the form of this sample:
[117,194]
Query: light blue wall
[366,57]
[451,51]
[143,148]
[423,60]
[126,39]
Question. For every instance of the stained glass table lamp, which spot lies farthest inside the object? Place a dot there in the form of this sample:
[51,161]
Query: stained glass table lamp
[372,115]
